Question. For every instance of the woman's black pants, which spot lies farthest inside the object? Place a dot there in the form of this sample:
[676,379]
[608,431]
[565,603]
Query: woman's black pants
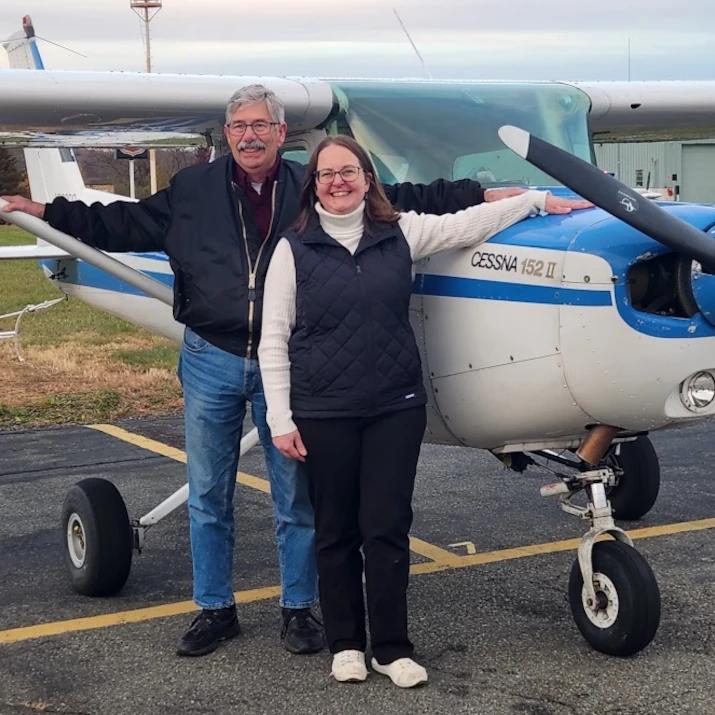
[362,475]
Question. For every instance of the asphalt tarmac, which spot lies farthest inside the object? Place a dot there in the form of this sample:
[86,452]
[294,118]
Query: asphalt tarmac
[489,612]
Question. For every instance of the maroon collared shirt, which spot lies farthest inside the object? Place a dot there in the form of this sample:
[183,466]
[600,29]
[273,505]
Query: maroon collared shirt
[260,203]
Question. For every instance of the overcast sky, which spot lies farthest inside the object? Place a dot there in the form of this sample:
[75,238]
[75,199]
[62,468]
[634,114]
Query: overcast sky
[479,39]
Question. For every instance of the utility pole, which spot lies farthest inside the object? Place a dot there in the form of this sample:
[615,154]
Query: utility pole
[147,10]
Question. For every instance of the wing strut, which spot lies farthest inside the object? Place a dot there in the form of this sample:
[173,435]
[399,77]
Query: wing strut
[96,258]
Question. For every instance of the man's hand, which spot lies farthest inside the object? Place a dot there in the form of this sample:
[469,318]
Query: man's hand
[557,205]
[291,446]
[496,194]
[20,203]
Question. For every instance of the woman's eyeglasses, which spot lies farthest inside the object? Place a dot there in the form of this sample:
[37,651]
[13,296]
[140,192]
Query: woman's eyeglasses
[348,173]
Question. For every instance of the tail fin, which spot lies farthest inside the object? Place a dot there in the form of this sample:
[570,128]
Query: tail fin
[21,48]
[50,172]
[55,172]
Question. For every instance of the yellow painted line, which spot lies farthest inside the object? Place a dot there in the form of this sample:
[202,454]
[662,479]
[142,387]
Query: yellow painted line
[179,455]
[435,553]
[16,635]
[260,594]
[143,442]
[553,547]
[420,547]
[667,529]
[490,557]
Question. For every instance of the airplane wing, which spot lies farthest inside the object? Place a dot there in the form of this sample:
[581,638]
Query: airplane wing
[83,104]
[78,103]
[627,108]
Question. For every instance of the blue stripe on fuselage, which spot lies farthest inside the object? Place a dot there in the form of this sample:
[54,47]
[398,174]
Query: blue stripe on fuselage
[83,274]
[660,326]
[476,288]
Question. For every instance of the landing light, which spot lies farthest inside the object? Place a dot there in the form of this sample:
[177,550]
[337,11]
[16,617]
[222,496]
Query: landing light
[698,391]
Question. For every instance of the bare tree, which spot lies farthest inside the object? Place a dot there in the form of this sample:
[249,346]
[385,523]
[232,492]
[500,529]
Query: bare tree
[99,167]
[13,180]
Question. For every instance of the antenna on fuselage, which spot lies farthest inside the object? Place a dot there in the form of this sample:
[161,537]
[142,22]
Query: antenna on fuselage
[414,47]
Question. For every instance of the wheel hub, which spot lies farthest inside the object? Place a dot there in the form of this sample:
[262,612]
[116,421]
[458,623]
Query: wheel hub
[603,612]
[76,544]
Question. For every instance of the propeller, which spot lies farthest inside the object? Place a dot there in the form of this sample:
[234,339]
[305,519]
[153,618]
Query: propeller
[612,196]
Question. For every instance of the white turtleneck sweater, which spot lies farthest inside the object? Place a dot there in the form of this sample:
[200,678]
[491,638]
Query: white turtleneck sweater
[425,233]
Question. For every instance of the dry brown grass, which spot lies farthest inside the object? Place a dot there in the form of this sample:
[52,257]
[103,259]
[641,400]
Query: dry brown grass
[82,383]
[81,365]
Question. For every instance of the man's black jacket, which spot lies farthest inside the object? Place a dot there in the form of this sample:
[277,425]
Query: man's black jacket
[204,224]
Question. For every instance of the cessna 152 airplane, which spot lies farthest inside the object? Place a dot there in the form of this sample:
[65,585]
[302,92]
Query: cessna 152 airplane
[564,338]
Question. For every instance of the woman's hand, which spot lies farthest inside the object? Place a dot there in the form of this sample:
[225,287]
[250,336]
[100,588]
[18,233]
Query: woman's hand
[557,205]
[291,446]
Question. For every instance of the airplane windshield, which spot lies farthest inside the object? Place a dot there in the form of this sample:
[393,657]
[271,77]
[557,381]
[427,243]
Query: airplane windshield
[420,132]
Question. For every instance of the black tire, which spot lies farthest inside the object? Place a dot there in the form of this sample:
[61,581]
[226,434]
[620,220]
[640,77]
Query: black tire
[102,547]
[638,614]
[638,487]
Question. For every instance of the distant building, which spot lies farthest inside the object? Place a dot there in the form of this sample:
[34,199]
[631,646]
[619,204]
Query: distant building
[683,170]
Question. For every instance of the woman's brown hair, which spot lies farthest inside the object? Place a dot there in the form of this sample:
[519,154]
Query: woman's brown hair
[377,207]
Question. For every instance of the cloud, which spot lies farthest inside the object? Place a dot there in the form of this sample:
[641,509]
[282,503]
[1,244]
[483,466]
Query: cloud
[457,38]
[311,20]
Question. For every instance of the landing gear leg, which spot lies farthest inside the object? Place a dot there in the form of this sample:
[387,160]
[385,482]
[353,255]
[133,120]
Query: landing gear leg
[614,597]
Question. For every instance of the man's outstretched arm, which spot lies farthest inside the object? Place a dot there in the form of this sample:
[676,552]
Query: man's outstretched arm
[121,226]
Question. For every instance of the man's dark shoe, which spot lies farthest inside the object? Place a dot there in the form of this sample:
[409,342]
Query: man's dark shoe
[207,631]
[302,631]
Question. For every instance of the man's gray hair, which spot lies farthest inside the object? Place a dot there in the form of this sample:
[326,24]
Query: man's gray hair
[256,93]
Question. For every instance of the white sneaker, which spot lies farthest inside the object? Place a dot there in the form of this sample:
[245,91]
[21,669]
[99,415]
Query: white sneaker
[403,672]
[349,666]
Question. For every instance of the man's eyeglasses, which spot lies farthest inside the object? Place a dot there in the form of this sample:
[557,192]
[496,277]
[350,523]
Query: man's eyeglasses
[260,127]
[349,173]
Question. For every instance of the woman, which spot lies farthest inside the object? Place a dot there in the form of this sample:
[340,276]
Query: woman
[343,385]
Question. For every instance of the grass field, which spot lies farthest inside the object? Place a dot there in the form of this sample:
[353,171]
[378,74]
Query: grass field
[80,365]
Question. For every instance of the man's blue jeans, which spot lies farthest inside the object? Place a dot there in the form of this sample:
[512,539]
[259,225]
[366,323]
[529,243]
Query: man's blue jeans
[217,386]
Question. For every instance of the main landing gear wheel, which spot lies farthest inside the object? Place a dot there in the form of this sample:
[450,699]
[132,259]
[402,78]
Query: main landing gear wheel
[98,538]
[626,614]
[638,479]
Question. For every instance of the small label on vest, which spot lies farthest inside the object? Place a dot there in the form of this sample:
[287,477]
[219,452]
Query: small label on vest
[410,396]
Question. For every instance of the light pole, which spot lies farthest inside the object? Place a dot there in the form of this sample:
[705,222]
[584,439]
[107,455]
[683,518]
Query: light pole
[147,10]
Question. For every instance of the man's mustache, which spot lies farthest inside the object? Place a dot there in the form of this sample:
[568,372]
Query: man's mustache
[253,144]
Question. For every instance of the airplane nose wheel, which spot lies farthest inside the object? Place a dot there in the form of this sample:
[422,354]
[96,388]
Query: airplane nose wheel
[613,594]
[624,616]
[98,538]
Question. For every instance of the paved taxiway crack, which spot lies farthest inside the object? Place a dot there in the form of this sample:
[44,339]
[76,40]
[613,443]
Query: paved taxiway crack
[83,465]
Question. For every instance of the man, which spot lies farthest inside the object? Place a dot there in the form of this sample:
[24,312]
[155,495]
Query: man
[219,224]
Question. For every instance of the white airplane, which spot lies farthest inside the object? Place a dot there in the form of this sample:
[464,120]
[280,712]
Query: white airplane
[562,341]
